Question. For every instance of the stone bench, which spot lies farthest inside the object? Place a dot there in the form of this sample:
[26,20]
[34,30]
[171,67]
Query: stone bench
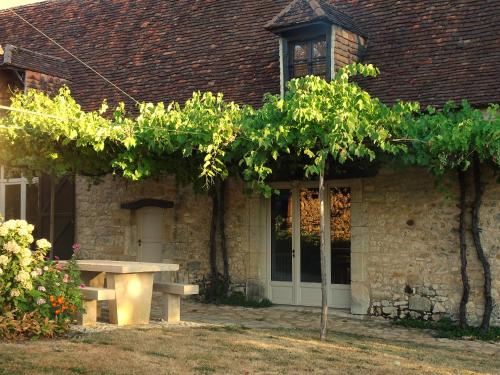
[90,297]
[172,293]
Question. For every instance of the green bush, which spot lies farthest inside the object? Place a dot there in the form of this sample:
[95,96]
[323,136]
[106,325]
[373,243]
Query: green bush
[240,299]
[447,328]
[38,297]
[216,290]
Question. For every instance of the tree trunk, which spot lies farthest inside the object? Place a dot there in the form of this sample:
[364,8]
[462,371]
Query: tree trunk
[476,236]
[324,297]
[213,243]
[221,189]
[52,214]
[463,252]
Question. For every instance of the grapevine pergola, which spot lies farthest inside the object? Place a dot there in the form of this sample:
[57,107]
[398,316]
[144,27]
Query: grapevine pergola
[207,139]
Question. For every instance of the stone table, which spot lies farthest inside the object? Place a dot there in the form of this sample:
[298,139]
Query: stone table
[133,285]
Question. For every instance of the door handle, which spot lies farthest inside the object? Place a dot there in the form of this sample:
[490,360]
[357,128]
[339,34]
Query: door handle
[139,242]
[293,253]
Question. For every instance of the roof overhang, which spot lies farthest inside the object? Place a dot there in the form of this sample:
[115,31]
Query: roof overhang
[19,58]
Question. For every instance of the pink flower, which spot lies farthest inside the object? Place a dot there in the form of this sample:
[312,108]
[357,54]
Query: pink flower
[65,278]
[42,289]
[59,266]
[82,286]
[76,247]
[56,257]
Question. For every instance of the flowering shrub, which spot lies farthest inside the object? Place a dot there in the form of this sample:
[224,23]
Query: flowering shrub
[33,289]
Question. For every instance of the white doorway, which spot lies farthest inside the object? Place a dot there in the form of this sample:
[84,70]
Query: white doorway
[295,273]
[150,234]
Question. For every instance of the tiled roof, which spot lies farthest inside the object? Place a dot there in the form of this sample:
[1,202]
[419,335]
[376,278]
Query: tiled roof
[431,51]
[307,11]
[23,58]
[162,50]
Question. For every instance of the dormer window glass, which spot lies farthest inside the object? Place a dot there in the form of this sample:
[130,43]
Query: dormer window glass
[308,57]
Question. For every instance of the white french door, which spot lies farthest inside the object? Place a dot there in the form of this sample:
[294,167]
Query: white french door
[294,243]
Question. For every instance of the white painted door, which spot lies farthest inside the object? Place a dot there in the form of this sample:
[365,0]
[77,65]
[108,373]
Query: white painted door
[295,276]
[151,227]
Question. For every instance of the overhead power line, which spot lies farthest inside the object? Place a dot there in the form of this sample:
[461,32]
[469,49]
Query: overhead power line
[73,55]
[31,113]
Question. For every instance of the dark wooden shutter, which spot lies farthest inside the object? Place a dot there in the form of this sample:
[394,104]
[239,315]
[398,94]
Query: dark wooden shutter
[64,232]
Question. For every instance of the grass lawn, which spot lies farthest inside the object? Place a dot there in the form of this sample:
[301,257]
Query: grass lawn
[235,350]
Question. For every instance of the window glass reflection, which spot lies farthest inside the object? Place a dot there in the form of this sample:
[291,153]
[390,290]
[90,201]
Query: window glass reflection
[340,235]
[281,236]
[310,263]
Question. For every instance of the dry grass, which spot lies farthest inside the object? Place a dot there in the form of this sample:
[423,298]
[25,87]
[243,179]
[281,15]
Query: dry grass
[234,350]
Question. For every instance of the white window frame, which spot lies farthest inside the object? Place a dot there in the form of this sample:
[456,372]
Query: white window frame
[23,182]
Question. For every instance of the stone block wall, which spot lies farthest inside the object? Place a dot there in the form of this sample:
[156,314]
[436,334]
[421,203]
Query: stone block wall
[107,231]
[405,259]
[413,260]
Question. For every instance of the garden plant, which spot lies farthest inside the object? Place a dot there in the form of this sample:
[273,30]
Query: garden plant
[38,297]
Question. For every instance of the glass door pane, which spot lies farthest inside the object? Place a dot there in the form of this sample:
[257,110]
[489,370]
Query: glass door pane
[12,202]
[340,235]
[310,263]
[281,236]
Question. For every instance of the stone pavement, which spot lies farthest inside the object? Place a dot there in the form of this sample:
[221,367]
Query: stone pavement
[195,314]
[308,318]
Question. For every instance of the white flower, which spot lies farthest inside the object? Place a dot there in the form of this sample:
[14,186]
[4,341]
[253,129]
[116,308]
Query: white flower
[26,252]
[45,268]
[15,293]
[22,276]
[1,271]
[23,232]
[40,301]
[4,260]
[10,224]
[3,231]
[27,285]
[12,247]
[41,288]
[33,274]
[25,262]
[43,244]
[31,228]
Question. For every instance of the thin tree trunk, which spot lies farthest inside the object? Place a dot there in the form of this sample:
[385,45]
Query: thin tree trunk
[463,252]
[52,214]
[324,297]
[213,243]
[476,236]
[221,188]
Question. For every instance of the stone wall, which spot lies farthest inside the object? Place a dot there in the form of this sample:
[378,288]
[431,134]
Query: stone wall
[107,231]
[405,258]
[413,260]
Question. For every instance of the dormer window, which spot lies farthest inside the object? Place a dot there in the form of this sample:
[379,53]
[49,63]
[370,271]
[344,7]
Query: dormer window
[316,38]
[308,57]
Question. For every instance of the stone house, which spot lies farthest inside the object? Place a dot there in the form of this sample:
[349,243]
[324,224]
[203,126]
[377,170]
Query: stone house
[393,246]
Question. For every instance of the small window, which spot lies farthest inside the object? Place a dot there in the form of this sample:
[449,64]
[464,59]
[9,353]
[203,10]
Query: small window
[18,197]
[308,57]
